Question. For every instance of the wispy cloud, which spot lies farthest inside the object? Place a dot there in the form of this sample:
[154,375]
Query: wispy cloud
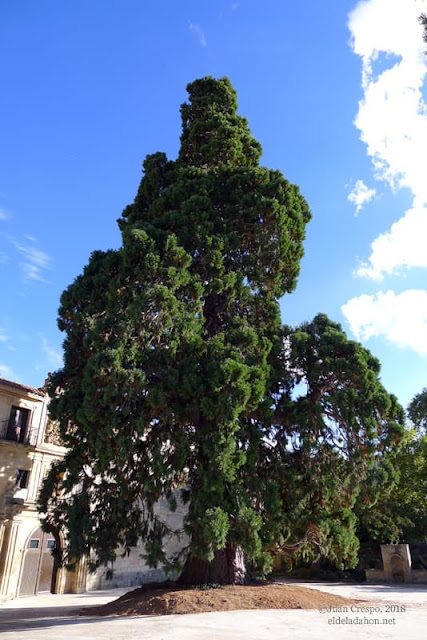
[399,318]
[4,215]
[198,32]
[392,116]
[53,355]
[6,340]
[360,195]
[34,263]
[7,372]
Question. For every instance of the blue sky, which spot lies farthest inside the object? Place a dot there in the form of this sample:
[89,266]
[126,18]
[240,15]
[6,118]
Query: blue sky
[334,91]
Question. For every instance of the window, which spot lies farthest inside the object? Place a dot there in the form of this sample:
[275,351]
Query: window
[34,543]
[18,423]
[22,476]
[50,544]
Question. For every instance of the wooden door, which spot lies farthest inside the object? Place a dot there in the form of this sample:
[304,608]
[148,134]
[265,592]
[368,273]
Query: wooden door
[38,564]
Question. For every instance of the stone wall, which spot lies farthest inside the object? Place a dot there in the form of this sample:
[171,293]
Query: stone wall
[398,565]
[131,570]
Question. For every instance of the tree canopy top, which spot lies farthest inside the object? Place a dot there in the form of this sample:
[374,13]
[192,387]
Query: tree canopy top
[213,134]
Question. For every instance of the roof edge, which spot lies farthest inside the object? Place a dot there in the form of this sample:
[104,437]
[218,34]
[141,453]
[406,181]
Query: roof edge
[22,387]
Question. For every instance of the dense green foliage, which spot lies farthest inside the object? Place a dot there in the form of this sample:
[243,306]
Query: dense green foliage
[407,503]
[179,377]
[417,411]
[398,513]
[339,431]
[412,488]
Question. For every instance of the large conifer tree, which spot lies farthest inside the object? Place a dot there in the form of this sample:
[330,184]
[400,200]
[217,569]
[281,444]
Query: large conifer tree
[175,374]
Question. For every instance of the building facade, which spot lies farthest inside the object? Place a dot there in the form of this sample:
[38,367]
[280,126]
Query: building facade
[28,447]
[29,444]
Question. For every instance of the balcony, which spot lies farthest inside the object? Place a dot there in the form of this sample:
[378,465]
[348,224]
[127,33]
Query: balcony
[23,435]
[18,496]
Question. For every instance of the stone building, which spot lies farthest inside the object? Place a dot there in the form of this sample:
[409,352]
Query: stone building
[29,444]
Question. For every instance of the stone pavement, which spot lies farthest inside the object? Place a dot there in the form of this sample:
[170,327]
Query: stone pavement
[411,594]
[55,617]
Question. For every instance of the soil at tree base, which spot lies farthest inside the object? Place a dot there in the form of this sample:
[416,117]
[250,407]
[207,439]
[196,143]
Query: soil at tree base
[173,599]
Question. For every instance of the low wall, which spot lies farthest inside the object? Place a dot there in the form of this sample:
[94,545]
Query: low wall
[375,576]
[419,576]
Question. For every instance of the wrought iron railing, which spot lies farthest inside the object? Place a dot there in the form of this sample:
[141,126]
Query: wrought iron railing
[23,435]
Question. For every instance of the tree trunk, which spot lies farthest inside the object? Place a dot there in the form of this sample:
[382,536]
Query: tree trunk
[227,567]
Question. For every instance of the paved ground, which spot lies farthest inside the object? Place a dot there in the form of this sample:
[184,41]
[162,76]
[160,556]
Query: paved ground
[388,612]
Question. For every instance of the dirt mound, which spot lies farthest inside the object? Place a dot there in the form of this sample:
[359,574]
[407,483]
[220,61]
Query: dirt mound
[162,600]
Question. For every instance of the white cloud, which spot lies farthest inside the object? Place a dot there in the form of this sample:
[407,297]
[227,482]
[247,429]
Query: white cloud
[403,246]
[32,272]
[53,355]
[399,318]
[199,33]
[360,195]
[392,116]
[4,215]
[36,261]
[33,261]
[35,256]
